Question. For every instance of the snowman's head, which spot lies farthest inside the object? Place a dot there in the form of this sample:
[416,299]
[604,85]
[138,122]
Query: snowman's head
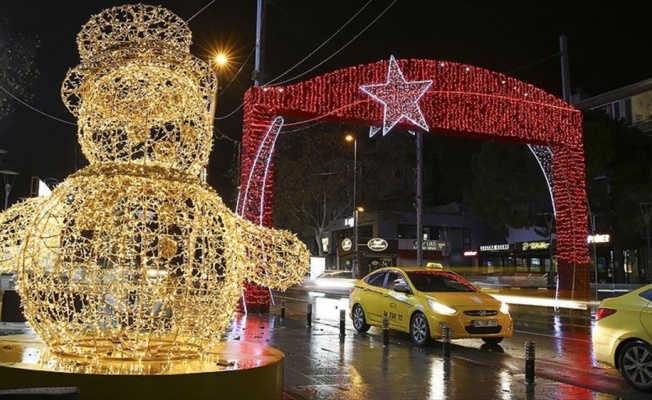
[139,95]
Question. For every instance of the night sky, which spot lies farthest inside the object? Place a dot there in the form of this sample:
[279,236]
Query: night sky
[609,42]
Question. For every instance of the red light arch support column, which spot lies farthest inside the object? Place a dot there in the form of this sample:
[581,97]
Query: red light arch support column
[463,101]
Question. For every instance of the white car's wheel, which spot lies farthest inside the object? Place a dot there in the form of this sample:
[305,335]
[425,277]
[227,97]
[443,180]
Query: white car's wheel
[359,321]
[635,364]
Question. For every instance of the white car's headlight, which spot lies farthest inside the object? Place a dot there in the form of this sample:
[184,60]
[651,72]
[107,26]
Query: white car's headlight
[504,308]
[441,308]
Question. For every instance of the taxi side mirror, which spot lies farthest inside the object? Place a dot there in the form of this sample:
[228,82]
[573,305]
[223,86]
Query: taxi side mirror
[402,288]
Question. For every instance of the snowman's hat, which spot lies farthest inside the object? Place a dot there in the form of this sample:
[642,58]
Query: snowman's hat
[139,34]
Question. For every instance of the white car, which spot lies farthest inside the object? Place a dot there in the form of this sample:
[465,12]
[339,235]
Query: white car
[339,281]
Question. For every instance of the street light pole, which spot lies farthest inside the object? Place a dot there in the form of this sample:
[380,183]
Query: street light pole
[565,69]
[216,63]
[355,189]
[645,210]
[419,198]
[351,138]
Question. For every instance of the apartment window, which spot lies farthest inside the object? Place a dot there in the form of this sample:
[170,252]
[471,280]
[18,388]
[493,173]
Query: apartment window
[611,109]
[641,108]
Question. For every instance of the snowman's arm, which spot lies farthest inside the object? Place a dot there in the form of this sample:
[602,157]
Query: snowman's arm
[275,258]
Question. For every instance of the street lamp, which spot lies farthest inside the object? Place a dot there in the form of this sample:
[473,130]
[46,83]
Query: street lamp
[8,177]
[351,138]
[216,63]
[221,59]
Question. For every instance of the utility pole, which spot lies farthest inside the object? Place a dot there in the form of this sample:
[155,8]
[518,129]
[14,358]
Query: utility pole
[259,27]
[565,69]
[419,198]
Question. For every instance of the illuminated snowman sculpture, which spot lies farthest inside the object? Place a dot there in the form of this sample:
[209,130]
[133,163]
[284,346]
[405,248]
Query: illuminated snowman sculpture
[134,257]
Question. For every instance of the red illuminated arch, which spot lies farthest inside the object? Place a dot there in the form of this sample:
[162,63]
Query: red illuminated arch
[463,101]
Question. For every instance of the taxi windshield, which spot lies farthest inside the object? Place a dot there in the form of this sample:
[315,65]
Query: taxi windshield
[438,281]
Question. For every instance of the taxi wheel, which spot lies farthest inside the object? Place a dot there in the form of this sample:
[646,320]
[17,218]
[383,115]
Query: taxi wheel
[419,330]
[636,364]
[359,321]
[492,340]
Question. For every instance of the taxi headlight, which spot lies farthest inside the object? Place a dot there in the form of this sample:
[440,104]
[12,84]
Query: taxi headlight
[441,308]
[504,308]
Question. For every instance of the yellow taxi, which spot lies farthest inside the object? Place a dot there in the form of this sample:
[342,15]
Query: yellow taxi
[622,336]
[422,300]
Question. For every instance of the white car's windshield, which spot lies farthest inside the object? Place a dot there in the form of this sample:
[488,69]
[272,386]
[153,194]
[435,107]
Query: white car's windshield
[430,281]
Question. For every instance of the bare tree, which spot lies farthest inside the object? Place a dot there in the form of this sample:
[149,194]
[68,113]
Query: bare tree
[18,70]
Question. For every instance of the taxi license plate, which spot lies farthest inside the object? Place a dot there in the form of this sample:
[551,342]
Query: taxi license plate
[484,323]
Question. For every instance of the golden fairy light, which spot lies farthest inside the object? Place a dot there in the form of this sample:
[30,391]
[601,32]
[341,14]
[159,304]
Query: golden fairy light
[134,257]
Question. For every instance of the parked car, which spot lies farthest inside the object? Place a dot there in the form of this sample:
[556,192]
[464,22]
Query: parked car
[622,336]
[340,281]
[422,300]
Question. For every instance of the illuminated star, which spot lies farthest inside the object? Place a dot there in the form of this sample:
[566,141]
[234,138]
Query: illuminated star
[399,98]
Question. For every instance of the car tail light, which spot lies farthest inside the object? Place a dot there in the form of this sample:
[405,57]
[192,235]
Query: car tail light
[601,313]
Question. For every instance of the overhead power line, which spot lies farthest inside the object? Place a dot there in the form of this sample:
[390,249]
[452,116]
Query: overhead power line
[35,109]
[322,45]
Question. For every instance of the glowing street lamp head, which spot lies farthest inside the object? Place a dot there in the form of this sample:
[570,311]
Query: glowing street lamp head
[221,59]
[349,138]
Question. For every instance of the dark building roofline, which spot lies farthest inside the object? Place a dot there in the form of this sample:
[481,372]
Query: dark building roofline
[615,95]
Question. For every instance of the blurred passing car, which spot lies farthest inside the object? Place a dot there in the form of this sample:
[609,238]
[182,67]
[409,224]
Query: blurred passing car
[622,336]
[332,281]
[423,300]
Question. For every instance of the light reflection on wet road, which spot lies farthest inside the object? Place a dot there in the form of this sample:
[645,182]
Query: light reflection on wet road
[361,368]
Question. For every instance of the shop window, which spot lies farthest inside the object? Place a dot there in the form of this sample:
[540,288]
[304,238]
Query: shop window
[521,264]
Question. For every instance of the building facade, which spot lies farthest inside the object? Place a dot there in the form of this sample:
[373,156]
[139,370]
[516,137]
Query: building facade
[451,236]
[621,264]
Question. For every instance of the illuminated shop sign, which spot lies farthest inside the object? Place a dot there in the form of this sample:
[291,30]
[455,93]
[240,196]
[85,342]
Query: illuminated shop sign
[470,253]
[494,247]
[347,244]
[431,245]
[377,244]
[598,239]
[532,246]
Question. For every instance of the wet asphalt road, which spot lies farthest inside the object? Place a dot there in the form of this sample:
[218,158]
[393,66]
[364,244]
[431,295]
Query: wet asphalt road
[360,367]
[322,364]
